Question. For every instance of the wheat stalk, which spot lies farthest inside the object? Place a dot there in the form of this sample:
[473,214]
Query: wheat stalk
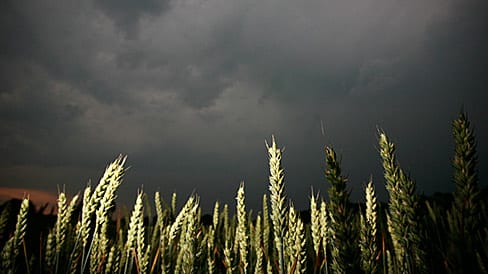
[241,232]
[60,226]
[266,226]
[141,251]
[344,254]
[324,232]
[402,221]
[368,242]
[185,257]
[84,223]
[133,237]
[290,236]
[465,177]
[188,246]
[50,250]
[11,249]
[215,219]
[296,243]
[20,226]
[315,225]
[102,213]
[180,218]
[163,247]
[157,229]
[92,202]
[4,218]
[227,257]
[159,210]
[277,197]
[111,261]
[82,231]
[173,205]
[225,220]
[258,268]
[63,222]
[210,237]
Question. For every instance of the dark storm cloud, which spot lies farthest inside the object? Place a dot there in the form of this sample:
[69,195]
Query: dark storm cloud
[190,89]
[126,14]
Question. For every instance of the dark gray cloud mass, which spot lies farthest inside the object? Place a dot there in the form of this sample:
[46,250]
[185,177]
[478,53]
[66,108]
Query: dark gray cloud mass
[190,89]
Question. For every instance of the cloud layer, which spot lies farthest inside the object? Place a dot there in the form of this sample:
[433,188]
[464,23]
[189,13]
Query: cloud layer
[190,89]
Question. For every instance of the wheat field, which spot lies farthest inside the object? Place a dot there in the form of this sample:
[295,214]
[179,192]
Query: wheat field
[407,234]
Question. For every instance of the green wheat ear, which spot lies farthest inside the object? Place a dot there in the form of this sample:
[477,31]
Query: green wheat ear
[368,240]
[185,258]
[296,243]
[266,226]
[62,224]
[324,234]
[241,234]
[403,215]
[98,202]
[465,176]
[277,197]
[100,242]
[315,225]
[342,230]
[21,226]
[135,236]
[258,246]
[466,213]
[12,247]
[4,218]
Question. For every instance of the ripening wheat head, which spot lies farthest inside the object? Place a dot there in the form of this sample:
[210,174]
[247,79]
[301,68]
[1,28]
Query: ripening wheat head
[315,224]
[241,233]
[402,220]
[277,197]
[368,242]
[12,247]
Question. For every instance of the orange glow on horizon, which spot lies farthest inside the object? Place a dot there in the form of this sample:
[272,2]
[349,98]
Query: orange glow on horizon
[38,197]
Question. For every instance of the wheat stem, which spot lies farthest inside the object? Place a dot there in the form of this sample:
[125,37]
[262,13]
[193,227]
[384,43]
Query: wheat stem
[277,197]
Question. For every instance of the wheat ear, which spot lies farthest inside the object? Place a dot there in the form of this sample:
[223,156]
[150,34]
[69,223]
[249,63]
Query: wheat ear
[402,221]
[133,238]
[298,243]
[241,233]
[258,246]
[344,249]
[277,197]
[324,233]
[99,248]
[12,247]
[266,226]
[466,196]
[315,225]
[368,240]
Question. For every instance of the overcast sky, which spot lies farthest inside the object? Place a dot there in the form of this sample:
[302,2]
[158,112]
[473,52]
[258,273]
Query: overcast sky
[191,89]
